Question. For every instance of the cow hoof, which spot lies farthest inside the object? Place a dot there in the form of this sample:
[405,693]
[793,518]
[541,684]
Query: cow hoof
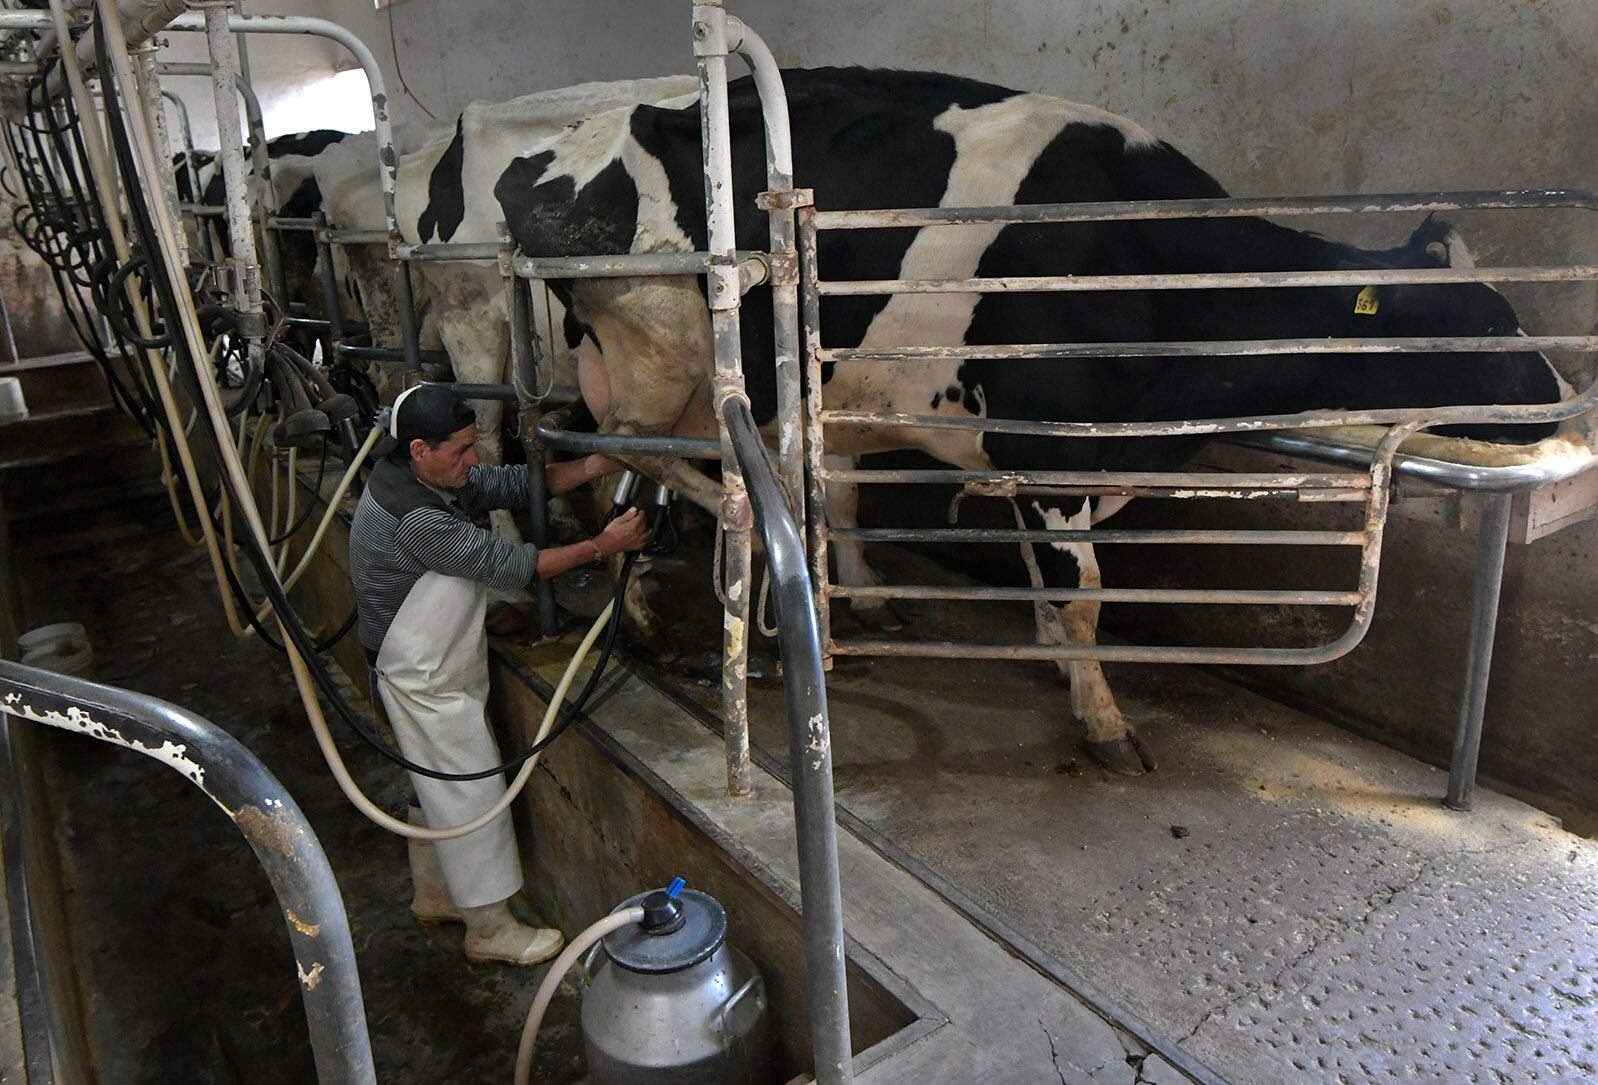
[878,619]
[650,647]
[1125,755]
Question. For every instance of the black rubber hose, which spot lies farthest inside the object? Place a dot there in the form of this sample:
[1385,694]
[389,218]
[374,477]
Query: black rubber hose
[310,506]
[114,309]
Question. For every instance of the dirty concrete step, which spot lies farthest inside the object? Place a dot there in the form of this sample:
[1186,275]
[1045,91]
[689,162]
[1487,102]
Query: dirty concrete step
[63,430]
[109,469]
[60,381]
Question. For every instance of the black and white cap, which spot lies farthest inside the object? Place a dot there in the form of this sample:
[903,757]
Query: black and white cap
[430,412]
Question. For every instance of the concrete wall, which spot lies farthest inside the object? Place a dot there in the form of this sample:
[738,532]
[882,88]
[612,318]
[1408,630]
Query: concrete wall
[1272,96]
[291,75]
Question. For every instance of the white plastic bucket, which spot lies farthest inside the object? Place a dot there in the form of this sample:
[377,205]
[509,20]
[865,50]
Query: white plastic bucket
[63,647]
[13,407]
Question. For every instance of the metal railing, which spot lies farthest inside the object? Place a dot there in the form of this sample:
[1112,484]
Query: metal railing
[1369,487]
[243,788]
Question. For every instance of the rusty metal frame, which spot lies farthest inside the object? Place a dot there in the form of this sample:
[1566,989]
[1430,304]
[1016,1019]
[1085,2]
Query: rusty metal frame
[1370,485]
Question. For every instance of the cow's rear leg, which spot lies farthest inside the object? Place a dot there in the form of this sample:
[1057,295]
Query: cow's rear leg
[1111,741]
[843,510]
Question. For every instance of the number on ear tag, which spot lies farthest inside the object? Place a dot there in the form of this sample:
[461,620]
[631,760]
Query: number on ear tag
[1366,303]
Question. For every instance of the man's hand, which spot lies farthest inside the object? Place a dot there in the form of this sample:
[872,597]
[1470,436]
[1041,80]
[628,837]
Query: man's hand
[629,531]
[563,476]
[598,466]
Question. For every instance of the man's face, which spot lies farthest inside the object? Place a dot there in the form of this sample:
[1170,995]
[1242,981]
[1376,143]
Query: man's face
[446,466]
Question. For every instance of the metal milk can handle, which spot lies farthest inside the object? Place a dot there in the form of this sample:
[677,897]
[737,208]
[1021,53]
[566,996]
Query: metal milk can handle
[725,1010]
[588,962]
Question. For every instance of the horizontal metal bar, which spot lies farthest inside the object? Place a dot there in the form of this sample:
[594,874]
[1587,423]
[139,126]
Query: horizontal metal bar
[1109,653]
[355,237]
[1476,478]
[204,210]
[307,322]
[279,222]
[1097,536]
[388,354]
[1238,280]
[505,392]
[473,250]
[1225,207]
[1240,348]
[1197,479]
[989,594]
[617,265]
[702,448]
[581,267]
[1201,426]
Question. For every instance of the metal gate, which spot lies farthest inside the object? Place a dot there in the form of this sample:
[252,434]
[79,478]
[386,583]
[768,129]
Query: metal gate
[1369,487]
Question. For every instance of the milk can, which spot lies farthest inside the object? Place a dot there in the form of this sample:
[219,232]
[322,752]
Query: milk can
[670,1001]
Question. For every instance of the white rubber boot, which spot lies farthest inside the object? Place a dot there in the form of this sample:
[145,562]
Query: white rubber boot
[430,899]
[493,934]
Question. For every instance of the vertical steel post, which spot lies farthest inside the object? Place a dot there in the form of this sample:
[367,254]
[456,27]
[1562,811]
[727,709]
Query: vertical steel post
[810,300]
[524,378]
[246,287]
[330,294]
[11,338]
[407,315]
[710,50]
[150,86]
[779,200]
[1486,581]
[265,202]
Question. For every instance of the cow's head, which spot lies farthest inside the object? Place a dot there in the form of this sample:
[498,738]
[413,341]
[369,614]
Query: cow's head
[1454,310]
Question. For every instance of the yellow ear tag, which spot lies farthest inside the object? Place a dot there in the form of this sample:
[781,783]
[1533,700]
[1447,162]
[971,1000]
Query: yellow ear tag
[1366,303]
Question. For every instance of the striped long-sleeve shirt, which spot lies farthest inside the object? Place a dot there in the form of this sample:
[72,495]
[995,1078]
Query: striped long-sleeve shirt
[403,528]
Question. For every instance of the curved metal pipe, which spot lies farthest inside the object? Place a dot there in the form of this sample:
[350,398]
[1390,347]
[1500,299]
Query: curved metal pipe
[242,787]
[809,749]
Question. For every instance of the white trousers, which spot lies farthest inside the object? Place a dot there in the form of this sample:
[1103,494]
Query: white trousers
[433,678]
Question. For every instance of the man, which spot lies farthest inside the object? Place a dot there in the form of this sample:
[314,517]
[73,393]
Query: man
[422,568]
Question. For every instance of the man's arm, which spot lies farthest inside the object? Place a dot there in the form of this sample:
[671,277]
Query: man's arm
[453,546]
[489,487]
[569,474]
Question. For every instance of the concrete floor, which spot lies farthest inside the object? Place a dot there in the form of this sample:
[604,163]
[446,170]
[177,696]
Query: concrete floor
[185,964]
[1284,900]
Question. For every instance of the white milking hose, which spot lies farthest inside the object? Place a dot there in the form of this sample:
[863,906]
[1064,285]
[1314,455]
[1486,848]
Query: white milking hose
[375,814]
[557,971]
[332,509]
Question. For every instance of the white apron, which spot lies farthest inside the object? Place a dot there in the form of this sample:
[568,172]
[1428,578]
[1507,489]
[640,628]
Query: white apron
[433,678]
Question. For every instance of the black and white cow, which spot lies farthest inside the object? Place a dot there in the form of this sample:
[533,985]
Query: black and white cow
[631,180]
[444,193]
